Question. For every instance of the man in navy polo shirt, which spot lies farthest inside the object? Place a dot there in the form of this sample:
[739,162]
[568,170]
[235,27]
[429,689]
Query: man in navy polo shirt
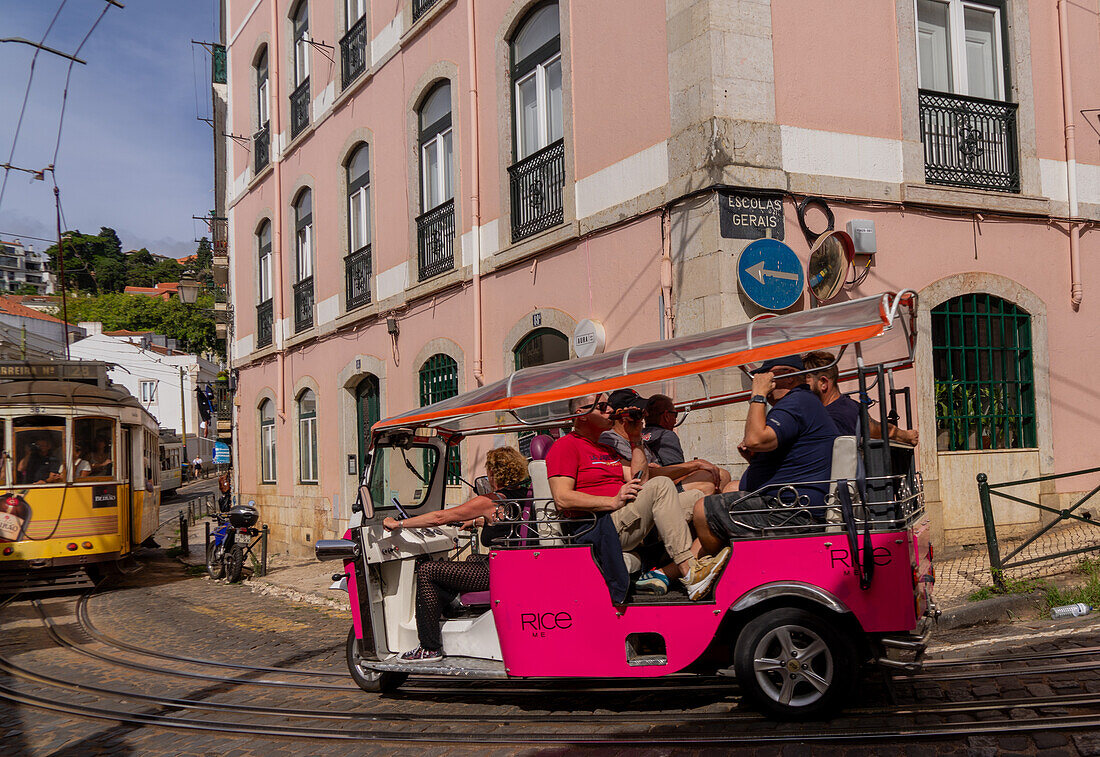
[790,444]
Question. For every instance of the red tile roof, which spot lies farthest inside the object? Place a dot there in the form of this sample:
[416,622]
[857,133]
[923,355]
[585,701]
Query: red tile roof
[11,307]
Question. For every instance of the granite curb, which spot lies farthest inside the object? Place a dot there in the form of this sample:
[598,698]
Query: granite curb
[992,610]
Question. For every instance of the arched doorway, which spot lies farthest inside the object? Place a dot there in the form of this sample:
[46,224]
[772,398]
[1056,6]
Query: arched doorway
[540,347]
[367,413]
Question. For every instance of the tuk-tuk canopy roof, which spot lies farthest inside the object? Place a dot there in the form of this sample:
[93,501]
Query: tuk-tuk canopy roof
[747,343]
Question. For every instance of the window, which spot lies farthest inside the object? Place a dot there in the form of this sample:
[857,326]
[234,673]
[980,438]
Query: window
[263,280]
[307,437]
[436,149]
[39,442]
[303,235]
[438,381]
[367,413]
[148,391]
[982,364]
[93,449]
[536,77]
[267,442]
[301,43]
[353,45]
[358,265]
[540,347]
[960,49]
[354,10]
[261,90]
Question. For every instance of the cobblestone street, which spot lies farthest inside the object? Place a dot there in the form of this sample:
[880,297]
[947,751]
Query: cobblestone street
[125,654]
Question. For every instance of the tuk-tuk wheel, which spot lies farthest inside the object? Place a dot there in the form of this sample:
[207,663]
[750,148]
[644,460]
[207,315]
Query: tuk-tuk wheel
[374,681]
[794,664]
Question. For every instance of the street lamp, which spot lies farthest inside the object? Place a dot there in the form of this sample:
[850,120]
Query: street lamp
[188,291]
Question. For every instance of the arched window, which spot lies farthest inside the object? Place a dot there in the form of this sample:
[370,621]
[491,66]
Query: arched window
[299,97]
[540,347]
[307,437]
[367,413]
[436,149]
[536,81]
[303,254]
[439,381]
[264,313]
[267,442]
[982,364]
[358,264]
[261,141]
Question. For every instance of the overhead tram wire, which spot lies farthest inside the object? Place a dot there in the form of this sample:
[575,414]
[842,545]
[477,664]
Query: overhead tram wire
[26,98]
[68,75]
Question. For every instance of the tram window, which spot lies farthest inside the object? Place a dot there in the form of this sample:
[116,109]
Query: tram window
[3,454]
[39,449]
[94,446]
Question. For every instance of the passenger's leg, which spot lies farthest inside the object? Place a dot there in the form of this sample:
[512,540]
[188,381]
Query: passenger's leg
[709,544]
[437,583]
[700,481]
[670,519]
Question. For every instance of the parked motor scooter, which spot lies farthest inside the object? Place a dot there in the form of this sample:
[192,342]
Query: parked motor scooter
[225,552]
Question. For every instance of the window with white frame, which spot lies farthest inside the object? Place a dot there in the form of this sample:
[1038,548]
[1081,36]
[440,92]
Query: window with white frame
[960,47]
[536,81]
[307,437]
[353,11]
[148,391]
[436,148]
[267,442]
[301,43]
[303,235]
[359,227]
[262,90]
[264,274]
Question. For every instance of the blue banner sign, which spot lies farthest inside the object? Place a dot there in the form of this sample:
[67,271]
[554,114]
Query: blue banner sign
[221,453]
[770,274]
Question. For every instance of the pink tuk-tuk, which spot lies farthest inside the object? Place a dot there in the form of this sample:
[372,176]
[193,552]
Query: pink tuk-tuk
[796,614]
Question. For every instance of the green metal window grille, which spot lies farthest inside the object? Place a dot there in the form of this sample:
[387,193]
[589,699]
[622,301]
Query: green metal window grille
[438,381]
[217,65]
[982,362]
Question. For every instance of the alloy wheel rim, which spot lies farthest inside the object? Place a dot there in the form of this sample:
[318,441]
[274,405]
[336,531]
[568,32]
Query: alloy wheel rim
[793,665]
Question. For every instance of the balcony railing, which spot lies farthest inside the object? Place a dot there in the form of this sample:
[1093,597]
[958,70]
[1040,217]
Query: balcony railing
[261,148]
[537,183]
[435,240]
[299,109]
[264,314]
[357,271]
[353,52]
[303,304]
[969,142]
[420,7]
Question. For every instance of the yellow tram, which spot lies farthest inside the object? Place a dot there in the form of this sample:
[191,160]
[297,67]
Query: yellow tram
[79,473]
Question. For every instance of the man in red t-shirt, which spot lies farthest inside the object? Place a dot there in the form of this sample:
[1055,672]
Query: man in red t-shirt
[586,476]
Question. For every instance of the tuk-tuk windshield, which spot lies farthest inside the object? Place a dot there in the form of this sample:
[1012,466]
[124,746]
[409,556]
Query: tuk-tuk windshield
[402,472]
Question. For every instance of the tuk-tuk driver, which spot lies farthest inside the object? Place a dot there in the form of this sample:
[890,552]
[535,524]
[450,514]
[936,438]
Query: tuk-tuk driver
[586,476]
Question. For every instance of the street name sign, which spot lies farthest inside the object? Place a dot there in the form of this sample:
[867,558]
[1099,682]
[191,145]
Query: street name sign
[750,216]
[770,274]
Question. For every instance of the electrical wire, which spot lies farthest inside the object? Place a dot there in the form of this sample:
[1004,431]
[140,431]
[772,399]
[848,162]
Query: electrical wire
[68,75]
[26,98]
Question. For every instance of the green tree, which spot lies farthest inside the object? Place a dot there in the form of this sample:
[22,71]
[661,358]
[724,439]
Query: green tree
[112,245]
[110,274]
[191,325]
[167,270]
[80,253]
[139,268]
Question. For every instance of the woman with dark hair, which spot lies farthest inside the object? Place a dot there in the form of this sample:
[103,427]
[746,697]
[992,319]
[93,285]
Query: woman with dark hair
[439,581]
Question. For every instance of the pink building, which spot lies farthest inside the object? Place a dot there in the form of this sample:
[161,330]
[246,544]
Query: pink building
[435,192]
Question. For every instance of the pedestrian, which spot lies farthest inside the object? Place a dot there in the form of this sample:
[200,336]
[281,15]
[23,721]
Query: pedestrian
[196,465]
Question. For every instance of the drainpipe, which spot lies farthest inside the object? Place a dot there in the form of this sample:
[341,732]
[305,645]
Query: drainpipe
[274,57]
[666,268]
[1076,288]
[475,193]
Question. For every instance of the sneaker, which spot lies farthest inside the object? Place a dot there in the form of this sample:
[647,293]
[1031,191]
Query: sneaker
[703,572]
[422,655]
[652,582]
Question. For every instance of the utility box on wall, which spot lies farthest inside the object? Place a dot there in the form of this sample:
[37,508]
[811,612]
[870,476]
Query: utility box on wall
[862,233]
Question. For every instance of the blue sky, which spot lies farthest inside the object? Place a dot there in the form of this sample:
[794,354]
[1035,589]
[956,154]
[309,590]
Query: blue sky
[133,156]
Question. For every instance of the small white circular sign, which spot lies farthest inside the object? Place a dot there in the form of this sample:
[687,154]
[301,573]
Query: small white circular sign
[588,338]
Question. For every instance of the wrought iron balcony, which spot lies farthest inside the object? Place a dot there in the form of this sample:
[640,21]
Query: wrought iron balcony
[969,142]
[299,109]
[264,314]
[303,304]
[537,182]
[357,272]
[420,7]
[353,52]
[261,148]
[435,240]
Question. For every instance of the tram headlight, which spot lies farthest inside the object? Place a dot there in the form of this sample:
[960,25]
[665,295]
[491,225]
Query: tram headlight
[8,551]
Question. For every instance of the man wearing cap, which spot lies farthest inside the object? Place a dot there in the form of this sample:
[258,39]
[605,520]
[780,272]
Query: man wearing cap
[791,444]
[587,476]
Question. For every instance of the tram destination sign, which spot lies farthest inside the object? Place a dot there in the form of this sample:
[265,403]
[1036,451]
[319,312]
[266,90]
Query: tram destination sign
[750,216]
[60,370]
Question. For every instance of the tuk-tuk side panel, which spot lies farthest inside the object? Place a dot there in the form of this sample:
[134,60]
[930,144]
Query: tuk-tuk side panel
[554,616]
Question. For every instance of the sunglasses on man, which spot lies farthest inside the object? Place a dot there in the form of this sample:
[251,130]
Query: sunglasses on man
[602,407]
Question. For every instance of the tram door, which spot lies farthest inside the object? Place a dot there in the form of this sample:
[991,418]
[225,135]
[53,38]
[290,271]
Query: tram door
[126,504]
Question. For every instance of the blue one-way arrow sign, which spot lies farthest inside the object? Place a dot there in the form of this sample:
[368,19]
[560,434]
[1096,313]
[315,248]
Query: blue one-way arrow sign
[770,274]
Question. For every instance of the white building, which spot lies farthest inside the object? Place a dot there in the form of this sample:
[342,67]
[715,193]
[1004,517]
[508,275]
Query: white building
[161,377]
[22,266]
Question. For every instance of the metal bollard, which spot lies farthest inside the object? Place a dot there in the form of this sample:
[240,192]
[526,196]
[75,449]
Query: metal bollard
[206,539]
[184,546]
[263,551]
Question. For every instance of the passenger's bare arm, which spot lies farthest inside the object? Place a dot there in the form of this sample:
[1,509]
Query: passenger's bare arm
[759,437]
[478,507]
[563,490]
[896,434]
